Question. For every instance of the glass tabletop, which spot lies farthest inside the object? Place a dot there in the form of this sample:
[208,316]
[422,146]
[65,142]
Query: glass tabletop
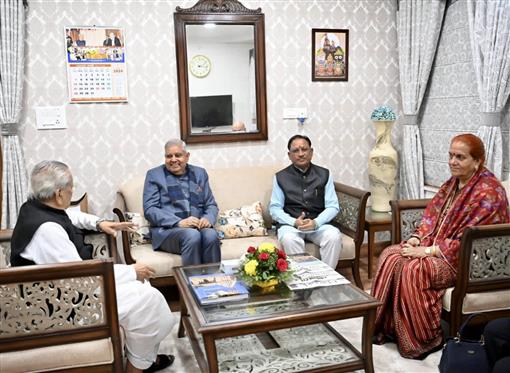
[280,300]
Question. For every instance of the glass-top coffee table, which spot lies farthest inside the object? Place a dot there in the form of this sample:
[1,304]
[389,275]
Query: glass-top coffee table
[280,317]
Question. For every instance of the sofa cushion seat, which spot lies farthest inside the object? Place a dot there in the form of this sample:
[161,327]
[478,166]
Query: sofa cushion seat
[162,262]
[480,302]
[71,355]
[232,248]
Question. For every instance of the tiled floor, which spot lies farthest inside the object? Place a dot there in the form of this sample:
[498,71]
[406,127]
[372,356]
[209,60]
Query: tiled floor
[363,270]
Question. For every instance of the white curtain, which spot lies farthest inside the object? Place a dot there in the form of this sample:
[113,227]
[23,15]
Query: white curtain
[418,27]
[14,177]
[489,30]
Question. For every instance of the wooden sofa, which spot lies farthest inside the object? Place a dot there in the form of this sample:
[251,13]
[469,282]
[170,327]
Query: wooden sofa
[232,188]
[59,317]
[483,277]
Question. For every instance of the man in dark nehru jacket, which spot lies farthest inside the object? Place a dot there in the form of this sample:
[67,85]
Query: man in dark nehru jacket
[303,202]
[46,233]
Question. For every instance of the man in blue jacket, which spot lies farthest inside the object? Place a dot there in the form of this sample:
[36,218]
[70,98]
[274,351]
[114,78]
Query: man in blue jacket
[180,206]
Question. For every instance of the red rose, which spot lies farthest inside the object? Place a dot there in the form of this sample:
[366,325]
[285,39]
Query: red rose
[281,254]
[282,265]
[264,256]
[251,249]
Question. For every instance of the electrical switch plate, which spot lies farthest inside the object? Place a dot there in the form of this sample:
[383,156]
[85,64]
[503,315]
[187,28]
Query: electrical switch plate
[293,113]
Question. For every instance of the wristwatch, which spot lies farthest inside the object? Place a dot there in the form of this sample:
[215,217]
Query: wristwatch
[99,221]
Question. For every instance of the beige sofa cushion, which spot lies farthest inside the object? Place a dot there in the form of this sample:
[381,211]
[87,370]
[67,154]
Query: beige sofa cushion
[237,186]
[163,263]
[72,355]
[480,302]
[132,191]
[232,187]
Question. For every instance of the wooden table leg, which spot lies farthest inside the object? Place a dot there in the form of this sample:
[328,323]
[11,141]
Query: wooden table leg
[211,354]
[371,242]
[366,340]
[184,313]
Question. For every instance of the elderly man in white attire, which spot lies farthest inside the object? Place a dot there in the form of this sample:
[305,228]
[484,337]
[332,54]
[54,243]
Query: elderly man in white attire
[45,233]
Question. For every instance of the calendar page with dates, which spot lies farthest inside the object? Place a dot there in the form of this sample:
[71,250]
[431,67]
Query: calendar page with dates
[96,64]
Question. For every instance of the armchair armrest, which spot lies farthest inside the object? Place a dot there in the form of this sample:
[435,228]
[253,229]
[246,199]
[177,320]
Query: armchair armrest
[5,248]
[351,218]
[126,240]
[104,245]
[406,215]
[351,222]
[5,235]
[483,259]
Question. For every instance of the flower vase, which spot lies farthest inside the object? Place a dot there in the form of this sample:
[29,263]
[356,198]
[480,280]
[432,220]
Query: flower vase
[382,167]
[268,284]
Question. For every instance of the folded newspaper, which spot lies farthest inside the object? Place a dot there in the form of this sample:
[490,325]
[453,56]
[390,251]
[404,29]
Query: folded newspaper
[310,272]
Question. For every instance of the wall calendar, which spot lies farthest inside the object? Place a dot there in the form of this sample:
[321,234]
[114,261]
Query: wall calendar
[96,64]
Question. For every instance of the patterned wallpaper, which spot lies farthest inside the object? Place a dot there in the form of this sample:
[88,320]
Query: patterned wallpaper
[451,104]
[106,144]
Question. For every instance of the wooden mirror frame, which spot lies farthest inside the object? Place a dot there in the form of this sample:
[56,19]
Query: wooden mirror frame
[223,12]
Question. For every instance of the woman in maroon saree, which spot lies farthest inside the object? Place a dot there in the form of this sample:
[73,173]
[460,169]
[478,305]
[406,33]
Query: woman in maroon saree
[412,276]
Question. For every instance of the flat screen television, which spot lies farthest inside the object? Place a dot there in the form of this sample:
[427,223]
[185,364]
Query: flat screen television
[211,111]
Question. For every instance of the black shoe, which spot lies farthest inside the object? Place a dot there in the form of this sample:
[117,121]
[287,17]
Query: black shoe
[162,362]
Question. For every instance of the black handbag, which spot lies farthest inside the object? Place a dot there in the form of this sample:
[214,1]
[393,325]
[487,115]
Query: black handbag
[462,355]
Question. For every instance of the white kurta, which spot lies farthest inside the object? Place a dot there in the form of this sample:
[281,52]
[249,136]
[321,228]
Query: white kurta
[143,312]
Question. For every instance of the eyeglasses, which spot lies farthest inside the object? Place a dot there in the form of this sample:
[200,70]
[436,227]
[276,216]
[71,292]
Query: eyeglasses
[298,150]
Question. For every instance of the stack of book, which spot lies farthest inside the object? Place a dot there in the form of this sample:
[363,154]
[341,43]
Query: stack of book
[217,288]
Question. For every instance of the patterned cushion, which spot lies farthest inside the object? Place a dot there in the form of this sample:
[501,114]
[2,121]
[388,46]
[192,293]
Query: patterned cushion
[141,235]
[245,221]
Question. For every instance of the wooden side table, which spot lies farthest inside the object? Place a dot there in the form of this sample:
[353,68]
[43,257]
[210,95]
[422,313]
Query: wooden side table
[375,222]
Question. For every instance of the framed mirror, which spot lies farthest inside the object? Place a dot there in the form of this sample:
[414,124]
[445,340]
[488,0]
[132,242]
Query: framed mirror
[221,72]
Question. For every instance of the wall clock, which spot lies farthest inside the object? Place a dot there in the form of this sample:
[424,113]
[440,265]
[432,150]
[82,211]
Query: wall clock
[200,66]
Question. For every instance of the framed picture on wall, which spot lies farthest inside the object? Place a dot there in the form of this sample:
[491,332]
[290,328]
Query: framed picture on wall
[330,54]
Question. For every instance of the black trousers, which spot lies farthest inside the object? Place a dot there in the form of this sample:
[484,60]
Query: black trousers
[497,344]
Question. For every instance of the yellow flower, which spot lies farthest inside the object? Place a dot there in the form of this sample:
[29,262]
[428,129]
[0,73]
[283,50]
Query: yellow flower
[267,247]
[251,267]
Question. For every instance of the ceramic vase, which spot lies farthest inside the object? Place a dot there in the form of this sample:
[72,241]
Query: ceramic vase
[382,167]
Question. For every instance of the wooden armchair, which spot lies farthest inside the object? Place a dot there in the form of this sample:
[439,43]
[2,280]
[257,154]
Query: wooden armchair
[351,222]
[59,317]
[483,277]
[104,246]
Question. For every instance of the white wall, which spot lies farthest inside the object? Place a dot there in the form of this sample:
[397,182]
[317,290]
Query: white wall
[106,144]
[229,75]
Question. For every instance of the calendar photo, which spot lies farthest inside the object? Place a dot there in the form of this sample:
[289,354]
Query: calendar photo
[96,64]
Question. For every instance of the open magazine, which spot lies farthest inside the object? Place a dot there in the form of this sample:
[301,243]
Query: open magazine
[310,272]
[217,288]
